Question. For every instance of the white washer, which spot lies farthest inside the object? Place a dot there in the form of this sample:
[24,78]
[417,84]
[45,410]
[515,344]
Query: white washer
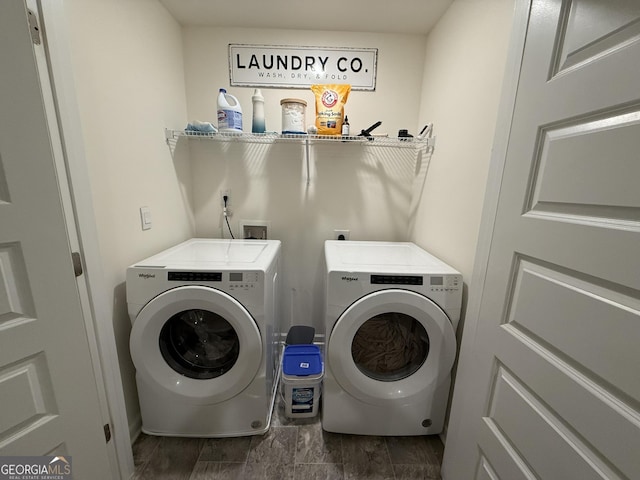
[391,311]
[205,337]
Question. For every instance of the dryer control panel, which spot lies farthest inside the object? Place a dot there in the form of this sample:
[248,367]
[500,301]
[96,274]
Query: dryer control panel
[434,283]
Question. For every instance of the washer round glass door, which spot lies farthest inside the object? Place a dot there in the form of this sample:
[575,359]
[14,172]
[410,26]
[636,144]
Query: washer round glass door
[196,342]
[391,345]
[199,344]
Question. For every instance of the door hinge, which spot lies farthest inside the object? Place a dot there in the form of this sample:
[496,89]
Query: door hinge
[77,263]
[34,28]
[107,432]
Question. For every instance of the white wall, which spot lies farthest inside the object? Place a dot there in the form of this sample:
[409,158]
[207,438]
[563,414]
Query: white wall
[395,101]
[127,59]
[133,65]
[464,65]
[362,189]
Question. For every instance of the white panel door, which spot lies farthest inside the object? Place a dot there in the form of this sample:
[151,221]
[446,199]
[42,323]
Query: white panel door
[49,401]
[550,370]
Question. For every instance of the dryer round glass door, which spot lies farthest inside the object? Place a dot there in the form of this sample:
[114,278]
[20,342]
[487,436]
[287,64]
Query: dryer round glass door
[390,345]
[196,342]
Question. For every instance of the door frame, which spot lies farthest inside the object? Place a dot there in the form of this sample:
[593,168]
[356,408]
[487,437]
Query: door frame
[462,396]
[69,153]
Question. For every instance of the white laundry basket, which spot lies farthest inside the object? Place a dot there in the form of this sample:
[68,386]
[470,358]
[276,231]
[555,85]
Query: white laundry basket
[302,372]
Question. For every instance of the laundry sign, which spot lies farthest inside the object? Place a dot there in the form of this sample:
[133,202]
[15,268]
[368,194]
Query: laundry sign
[299,67]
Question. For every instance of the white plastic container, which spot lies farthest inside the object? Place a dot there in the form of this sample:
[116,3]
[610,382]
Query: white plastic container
[257,121]
[229,113]
[302,372]
[293,115]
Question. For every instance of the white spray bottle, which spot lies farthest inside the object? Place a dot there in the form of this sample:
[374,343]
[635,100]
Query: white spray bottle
[258,124]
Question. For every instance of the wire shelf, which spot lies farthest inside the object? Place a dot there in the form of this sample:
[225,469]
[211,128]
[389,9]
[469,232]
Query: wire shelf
[373,141]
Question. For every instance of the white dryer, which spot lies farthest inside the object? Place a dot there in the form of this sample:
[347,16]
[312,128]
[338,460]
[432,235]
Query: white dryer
[391,311]
[205,337]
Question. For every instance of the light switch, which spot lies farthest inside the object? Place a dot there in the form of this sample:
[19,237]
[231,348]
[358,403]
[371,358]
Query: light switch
[145,217]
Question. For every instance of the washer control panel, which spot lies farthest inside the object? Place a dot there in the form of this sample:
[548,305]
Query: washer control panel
[243,280]
[231,281]
[445,283]
[397,280]
[183,276]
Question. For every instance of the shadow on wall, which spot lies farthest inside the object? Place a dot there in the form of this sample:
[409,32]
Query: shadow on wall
[180,154]
[423,160]
[361,188]
[351,187]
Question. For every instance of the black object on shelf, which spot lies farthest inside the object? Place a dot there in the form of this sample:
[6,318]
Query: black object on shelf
[404,134]
[300,335]
[367,133]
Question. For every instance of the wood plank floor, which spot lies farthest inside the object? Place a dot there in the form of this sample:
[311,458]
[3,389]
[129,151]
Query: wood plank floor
[292,449]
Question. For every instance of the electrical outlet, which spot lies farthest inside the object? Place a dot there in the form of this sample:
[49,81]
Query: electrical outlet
[254,229]
[227,192]
[341,234]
